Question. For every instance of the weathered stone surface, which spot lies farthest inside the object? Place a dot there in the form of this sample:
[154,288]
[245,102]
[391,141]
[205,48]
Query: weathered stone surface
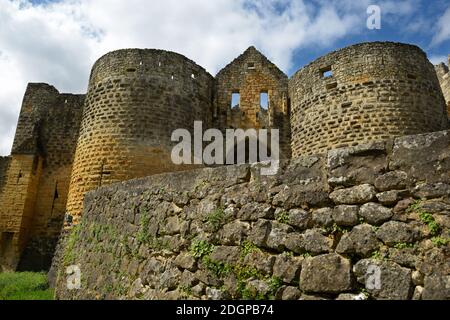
[437,287]
[375,213]
[299,218]
[291,293]
[173,226]
[136,289]
[287,268]
[434,260]
[234,233]
[254,211]
[390,198]
[403,205]
[346,215]
[355,195]
[198,290]
[424,157]
[350,297]
[259,233]
[323,217]
[393,283]
[316,243]
[405,257]
[394,232]
[216,294]
[186,261]
[227,255]
[436,207]
[430,191]
[329,273]
[361,241]
[391,181]
[418,278]
[261,261]
[277,235]
[208,278]
[188,279]
[307,297]
[310,195]
[357,165]
[258,287]
[294,242]
[170,278]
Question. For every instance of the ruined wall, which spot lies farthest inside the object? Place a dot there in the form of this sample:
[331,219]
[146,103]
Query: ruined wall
[444,79]
[313,231]
[18,199]
[374,91]
[57,139]
[136,99]
[4,165]
[36,185]
[249,75]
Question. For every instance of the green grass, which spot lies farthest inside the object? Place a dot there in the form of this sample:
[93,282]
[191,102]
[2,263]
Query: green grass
[24,286]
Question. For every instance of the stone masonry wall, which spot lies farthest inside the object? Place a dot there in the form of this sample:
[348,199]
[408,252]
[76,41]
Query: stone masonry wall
[444,78]
[35,186]
[136,99]
[374,91]
[4,165]
[57,138]
[316,230]
[249,75]
[18,198]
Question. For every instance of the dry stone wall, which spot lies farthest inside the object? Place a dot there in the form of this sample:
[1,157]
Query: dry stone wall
[316,230]
[366,92]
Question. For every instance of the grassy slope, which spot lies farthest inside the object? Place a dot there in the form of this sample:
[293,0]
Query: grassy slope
[24,286]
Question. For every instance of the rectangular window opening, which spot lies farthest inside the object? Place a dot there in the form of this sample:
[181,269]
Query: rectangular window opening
[264,100]
[235,100]
[250,65]
[326,72]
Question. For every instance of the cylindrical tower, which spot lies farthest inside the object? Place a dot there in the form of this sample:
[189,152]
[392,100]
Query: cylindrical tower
[366,92]
[136,99]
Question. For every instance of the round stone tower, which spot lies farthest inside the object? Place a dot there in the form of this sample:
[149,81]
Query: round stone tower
[366,92]
[136,99]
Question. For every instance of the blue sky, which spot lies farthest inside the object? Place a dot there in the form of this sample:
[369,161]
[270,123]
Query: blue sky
[58,41]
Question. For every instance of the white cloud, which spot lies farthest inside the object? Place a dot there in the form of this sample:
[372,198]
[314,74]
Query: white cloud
[57,43]
[443,29]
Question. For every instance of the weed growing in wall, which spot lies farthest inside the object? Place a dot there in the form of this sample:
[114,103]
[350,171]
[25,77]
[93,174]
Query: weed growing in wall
[69,254]
[216,219]
[425,217]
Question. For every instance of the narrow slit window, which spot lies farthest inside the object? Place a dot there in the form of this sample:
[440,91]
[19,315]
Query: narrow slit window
[264,100]
[235,100]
